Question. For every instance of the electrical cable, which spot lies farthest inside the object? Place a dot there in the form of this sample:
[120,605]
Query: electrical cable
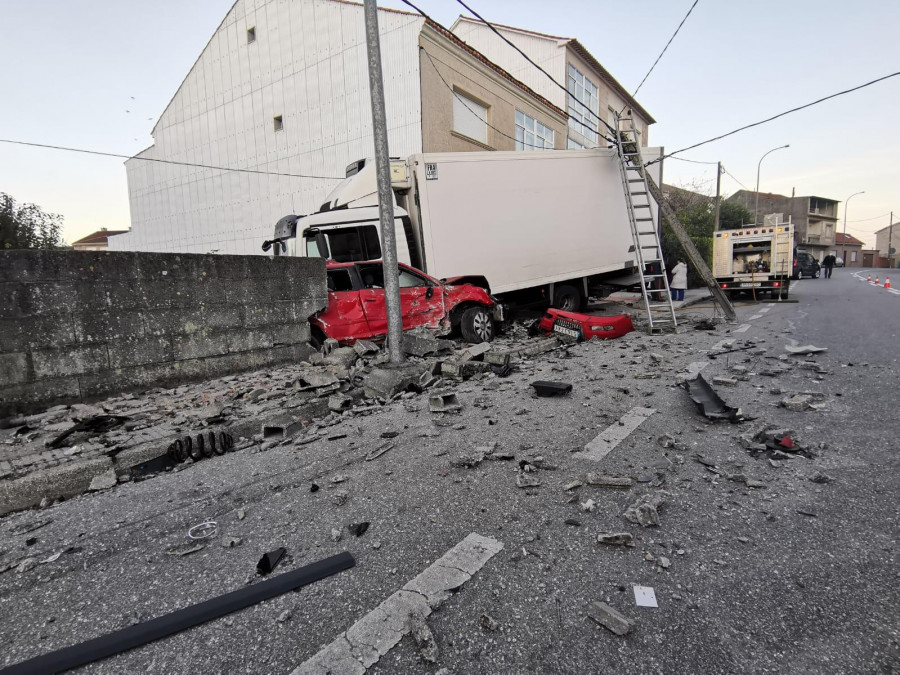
[735,179]
[165,161]
[462,100]
[774,117]
[693,161]
[665,48]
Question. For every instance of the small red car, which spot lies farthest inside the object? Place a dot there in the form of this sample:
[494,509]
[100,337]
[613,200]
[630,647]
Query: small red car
[585,326]
[356,305]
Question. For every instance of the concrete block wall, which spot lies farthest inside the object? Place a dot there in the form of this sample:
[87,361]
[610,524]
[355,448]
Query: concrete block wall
[80,325]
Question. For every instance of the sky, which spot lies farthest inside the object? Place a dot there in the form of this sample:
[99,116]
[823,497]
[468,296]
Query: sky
[96,74]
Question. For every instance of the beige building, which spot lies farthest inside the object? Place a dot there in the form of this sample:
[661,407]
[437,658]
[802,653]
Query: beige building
[886,239]
[593,95]
[97,241]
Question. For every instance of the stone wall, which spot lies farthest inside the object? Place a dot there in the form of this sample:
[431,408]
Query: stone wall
[76,326]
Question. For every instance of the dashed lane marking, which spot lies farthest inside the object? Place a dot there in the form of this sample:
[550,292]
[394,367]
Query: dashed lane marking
[755,316]
[742,328]
[765,309]
[374,635]
[614,434]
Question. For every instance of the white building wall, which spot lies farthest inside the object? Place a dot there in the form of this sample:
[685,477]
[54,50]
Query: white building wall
[309,65]
[548,53]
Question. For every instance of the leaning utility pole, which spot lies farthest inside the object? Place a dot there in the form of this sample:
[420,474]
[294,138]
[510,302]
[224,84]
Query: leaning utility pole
[690,250]
[718,194]
[385,198]
[890,241]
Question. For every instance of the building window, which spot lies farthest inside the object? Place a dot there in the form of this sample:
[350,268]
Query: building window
[852,256]
[251,35]
[279,123]
[584,105]
[573,145]
[531,134]
[470,118]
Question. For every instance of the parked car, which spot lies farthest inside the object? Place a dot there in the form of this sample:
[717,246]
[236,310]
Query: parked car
[807,266]
[357,310]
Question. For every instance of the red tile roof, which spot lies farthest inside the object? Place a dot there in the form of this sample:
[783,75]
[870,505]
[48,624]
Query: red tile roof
[98,237]
[841,238]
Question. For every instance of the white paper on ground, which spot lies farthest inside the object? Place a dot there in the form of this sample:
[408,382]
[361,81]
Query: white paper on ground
[644,596]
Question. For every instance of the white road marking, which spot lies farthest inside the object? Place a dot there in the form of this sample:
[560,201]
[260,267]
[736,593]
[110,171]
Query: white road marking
[755,316]
[614,434]
[765,309]
[374,635]
[742,328]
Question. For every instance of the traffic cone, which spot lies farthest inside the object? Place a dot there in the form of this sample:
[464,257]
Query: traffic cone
[887,282]
[869,278]
[877,283]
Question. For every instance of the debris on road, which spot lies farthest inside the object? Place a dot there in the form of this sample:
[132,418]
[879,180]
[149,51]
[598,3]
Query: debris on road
[358,529]
[203,530]
[645,596]
[527,480]
[489,623]
[270,561]
[231,542]
[181,550]
[821,478]
[423,637]
[602,480]
[709,402]
[609,618]
[104,481]
[645,511]
[379,451]
[616,539]
[578,326]
[546,388]
[444,403]
[805,349]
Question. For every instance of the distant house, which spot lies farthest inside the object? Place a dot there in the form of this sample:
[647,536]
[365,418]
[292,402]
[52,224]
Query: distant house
[98,241]
[814,218]
[849,248]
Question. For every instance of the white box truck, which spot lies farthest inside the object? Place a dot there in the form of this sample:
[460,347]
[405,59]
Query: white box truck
[524,225]
[756,260]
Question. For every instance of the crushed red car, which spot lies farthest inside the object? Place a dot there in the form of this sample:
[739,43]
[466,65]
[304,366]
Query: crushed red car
[356,305]
[585,326]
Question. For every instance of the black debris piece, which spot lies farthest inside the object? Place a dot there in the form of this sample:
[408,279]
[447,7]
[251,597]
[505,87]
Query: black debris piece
[313,488]
[503,370]
[708,401]
[547,388]
[358,529]
[97,424]
[705,324]
[270,560]
[119,641]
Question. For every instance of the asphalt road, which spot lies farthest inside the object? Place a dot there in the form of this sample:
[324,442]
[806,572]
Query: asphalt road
[791,577]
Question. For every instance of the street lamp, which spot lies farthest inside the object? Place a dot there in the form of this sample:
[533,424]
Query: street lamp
[758,166]
[846,203]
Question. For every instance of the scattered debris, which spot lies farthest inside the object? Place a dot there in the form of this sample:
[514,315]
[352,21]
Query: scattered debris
[339,478]
[23,528]
[104,481]
[645,596]
[284,616]
[270,561]
[424,638]
[340,497]
[601,480]
[609,618]
[489,623]
[231,542]
[588,506]
[186,549]
[95,425]
[709,402]
[663,562]
[616,539]
[379,451]
[574,522]
[336,534]
[798,402]
[547,388]
[203,530]
[572,485]
[365,348]
[527,480]
[805,349]
[821,478]
[644,511]
[358,529]
[444,403]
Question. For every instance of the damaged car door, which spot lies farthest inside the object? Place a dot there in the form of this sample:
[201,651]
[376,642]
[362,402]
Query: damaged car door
[344,318]
[421,300]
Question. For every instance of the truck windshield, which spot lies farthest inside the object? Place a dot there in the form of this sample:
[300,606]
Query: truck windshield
[350,244]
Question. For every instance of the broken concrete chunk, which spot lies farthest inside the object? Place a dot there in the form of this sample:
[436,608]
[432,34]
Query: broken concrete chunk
[805,349]
[231,542]
[616,539]
[443,403]
[339,498]
[821,478]
[468,460]
[315,379]
[489,623]
[548,388]
[476,352]
[424,638]
[601,480]
[104,481]
[365,347]
[339,402]
[798,403]
[527,480]
[572,485]
[388,381]
[645,510]
[728,381]
[609,618]
[420,342]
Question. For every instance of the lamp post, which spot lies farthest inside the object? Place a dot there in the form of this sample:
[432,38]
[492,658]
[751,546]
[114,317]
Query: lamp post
[846,204]
[758,167]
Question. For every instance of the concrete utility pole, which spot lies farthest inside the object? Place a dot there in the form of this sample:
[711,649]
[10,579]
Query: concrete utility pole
[846,204]
[690,250]
[718,195]
[385,198]
[758,167]
[890,240]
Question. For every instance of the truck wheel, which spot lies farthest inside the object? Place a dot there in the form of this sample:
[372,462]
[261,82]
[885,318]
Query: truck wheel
[567,298]
[477,325]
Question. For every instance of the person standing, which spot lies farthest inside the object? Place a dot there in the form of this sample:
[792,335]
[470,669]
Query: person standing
[828,262]
[679,280]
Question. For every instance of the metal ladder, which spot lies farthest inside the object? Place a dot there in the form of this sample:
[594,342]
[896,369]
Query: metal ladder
[642,218]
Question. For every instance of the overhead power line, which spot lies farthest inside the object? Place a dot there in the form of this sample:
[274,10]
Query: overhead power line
[735,178]
[165,161]
[665,48]
[774,117]
[693,161]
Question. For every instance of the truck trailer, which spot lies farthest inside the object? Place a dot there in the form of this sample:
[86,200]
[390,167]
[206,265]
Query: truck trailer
[757,260]
[523,225]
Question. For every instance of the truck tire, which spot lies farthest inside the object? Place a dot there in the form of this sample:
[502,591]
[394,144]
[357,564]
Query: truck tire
[567,298]
[477,325]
